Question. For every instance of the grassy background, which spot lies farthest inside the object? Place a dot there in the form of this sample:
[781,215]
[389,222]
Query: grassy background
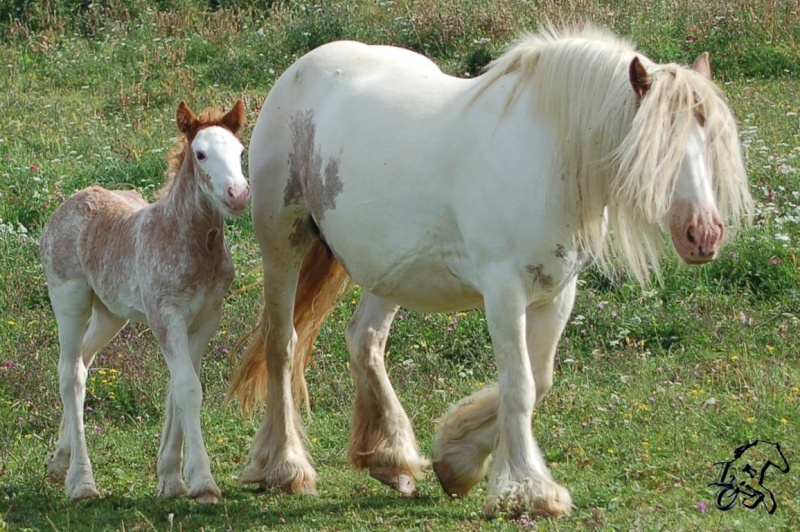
[652,387]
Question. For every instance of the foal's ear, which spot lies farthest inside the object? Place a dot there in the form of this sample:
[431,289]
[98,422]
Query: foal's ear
[235,118]
[186,119]
[702,65]
[640,79]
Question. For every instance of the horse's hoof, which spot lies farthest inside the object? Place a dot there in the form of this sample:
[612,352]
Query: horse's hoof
[300,488]
[402,482]
[551,501]
[452,485]
[205,492]
[557,502]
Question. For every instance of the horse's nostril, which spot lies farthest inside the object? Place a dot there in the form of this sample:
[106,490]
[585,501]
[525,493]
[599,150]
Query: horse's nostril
[230,192]
[690,235]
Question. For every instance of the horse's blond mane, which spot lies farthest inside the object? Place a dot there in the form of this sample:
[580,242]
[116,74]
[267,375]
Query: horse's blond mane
[619,151]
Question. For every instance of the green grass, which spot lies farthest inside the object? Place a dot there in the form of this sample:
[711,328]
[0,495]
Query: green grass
[88,97]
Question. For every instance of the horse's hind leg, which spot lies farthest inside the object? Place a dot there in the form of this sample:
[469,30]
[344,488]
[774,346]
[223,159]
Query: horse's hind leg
[381,437]
[278,458]
[72,305]
[464,441]
[170,483]
[103,327]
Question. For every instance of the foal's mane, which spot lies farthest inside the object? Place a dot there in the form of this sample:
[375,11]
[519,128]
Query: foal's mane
[617,150]
[177,154]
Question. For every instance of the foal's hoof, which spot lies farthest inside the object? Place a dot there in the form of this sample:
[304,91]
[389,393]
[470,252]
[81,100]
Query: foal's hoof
[84,493]
[57,469]
[172,488]
[206,492]
[400,481]
[206,498]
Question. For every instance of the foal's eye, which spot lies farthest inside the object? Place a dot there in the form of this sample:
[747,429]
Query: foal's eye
[201,156]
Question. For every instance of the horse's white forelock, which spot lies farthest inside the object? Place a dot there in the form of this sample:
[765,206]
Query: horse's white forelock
[619,151]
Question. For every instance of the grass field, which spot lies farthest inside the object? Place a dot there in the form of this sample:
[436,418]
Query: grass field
[652,387]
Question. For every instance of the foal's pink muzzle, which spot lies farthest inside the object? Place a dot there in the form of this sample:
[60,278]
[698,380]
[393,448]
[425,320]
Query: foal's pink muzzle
[237,197]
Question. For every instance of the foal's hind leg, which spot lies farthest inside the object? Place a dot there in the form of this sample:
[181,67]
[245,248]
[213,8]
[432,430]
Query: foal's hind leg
[103,327]
[170,483]
[72,305]
[381,437]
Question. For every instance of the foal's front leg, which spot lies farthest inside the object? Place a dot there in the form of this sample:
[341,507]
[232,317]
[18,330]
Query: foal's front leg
[381,437]
[182,411]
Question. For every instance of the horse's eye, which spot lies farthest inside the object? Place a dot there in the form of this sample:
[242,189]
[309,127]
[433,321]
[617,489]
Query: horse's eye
[201,156]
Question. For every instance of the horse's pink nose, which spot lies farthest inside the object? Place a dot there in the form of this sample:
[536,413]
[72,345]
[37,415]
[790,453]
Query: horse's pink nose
[238,197]
[703,240]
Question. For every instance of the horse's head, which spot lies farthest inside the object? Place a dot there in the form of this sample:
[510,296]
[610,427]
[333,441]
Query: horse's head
[697,157]
[692,217]
[217,154]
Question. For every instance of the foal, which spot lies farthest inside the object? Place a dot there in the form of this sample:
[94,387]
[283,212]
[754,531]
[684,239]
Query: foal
[110,257]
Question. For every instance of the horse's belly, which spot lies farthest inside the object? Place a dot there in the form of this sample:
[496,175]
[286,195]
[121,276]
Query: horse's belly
[426,285]
[424,270]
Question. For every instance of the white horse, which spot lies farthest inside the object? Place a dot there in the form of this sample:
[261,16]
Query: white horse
[109,257]
[443,194]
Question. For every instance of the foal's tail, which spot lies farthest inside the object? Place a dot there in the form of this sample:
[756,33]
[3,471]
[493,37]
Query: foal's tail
[319,289]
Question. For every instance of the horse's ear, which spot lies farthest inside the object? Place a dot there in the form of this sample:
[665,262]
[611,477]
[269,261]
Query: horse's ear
[185,118]
[640,79]
[702,65]
[235,118]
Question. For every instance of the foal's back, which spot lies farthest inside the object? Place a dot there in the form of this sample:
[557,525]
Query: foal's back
[91,238]
[93,219]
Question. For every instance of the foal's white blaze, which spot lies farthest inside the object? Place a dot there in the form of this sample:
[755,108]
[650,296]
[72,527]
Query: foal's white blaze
[219,154]
[693,218]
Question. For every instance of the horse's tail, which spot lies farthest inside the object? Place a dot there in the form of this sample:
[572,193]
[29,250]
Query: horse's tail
[319,289]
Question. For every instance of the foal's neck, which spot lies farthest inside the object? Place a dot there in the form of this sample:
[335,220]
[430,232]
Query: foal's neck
[188,200]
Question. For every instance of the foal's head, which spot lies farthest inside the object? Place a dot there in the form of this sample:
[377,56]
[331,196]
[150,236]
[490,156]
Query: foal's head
[217,154]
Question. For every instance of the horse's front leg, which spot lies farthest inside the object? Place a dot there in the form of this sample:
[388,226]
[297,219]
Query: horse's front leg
[468,432]
[518,481]
[182,351]
[381,437]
